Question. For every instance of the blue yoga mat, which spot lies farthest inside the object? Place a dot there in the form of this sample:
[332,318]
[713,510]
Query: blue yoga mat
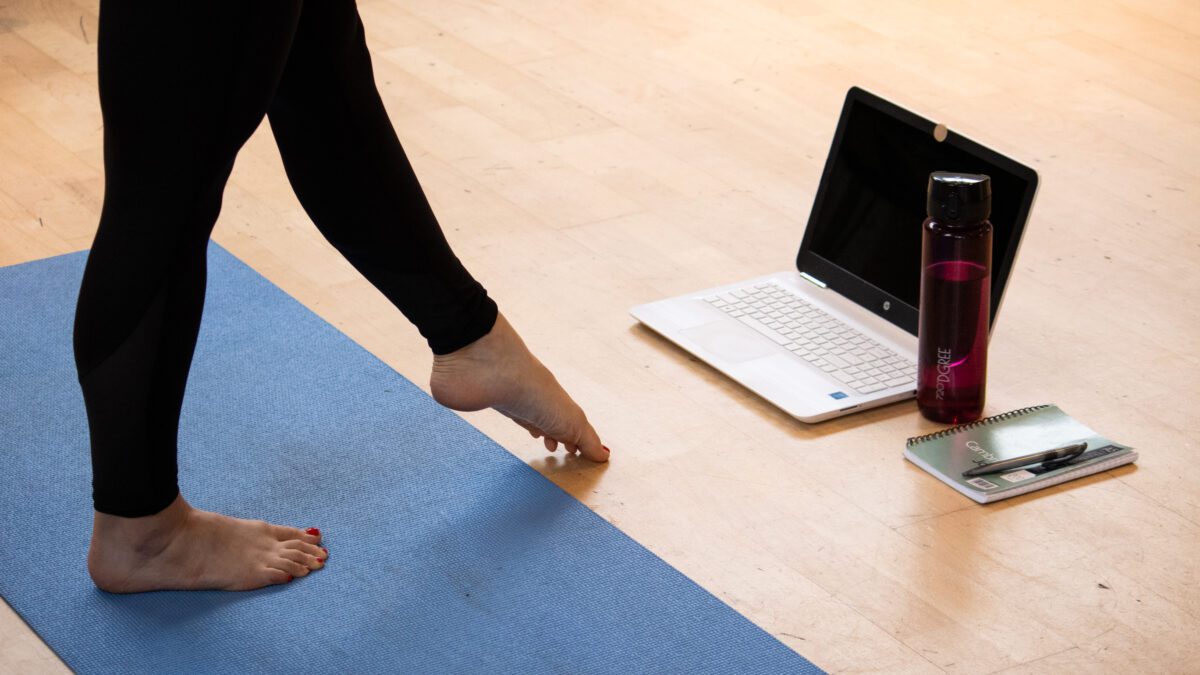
[447,553]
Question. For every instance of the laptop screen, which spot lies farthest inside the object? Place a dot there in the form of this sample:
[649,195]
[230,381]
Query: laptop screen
[866,220]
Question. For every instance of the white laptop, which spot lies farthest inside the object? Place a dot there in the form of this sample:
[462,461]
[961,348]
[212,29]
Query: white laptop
[838,333]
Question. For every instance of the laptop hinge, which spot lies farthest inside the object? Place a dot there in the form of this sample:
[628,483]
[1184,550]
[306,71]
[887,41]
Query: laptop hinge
[815,281]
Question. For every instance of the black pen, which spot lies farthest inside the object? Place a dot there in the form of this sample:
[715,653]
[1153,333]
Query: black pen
[1058,455]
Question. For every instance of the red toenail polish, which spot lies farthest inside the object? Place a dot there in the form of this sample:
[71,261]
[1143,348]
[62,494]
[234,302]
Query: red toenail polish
[290,577]
[606,448]
[320,560]
[326,551]
[313,531]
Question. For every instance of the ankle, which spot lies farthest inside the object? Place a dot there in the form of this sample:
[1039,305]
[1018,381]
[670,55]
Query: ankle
[145,534]
[496,342]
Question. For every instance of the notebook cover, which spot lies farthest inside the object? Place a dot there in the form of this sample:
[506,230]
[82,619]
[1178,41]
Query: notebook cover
[947,454]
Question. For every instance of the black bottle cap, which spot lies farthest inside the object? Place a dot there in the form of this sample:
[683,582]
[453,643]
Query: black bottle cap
[959,198]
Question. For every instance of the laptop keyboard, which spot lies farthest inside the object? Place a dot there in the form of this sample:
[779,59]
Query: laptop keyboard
[847,355]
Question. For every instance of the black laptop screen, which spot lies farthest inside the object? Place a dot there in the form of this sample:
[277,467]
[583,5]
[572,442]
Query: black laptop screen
[867,219]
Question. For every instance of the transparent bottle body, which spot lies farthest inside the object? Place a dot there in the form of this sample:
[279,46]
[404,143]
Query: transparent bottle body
[956,267]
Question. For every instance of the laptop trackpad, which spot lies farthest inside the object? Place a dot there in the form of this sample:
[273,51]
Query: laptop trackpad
[730,341]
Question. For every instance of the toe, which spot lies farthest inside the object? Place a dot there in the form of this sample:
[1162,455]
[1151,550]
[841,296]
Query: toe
[283,533]
[576,434]
[310,561]
[274,575]
[550,443]
[590,445]
[310,549]
[289,566]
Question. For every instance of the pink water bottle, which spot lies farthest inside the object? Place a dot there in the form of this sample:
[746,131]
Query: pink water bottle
[956,270]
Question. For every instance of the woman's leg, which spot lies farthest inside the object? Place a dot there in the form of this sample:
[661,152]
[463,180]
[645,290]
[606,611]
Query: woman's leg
[354,180]
[182,86]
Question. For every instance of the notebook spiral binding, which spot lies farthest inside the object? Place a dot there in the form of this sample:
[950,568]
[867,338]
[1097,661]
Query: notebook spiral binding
[971,425]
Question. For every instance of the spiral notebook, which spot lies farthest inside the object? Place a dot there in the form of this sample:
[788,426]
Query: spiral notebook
[948,453]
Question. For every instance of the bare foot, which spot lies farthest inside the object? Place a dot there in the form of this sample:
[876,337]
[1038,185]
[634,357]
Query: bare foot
[497,371]
[182,548]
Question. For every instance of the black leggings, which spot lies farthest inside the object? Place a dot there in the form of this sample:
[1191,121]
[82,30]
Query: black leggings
[182,86]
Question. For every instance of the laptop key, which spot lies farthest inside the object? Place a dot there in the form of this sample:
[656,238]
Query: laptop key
[852,358]
[835,360]
[761,328]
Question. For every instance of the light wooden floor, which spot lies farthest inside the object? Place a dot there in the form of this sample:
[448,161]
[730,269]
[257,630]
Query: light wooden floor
[586,156]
